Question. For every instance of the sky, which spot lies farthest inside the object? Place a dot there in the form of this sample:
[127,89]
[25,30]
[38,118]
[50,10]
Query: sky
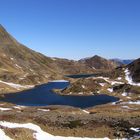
[75,29]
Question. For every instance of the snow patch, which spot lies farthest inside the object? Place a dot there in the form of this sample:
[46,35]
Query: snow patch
[129,78]
[16,86]
[19,107]
[124,94]
[83,86]
[102,84]
[116,82]
[86,111]
[135,129]
[98,91]
[119,78]
[16,107]
[46,76]
[126,107]
[39,134]
[109,81]
[132,102]
[24,76]
[94,68]
[44,110]
[117,102]
[59,81]
[18,66]
[31,70]
[110,89]
[12,58]
[5,109]
[80,93]
[3,136]
[136,102]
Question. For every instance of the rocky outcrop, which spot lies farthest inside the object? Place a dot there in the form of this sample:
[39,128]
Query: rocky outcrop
[134,68]
[83,87]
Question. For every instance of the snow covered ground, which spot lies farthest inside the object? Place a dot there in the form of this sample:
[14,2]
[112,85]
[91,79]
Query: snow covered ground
[83,86]
[102,84]
[126,107]
[114,103]
[59,81]
[108,80]
[19,107]
[86,111]
[44,110]
[125,94]
[132,102]
[3,135]
[16,86]
[135,129]
[135,103]
[115,82]
[119,78]
[129,78]
[110,89]
[4,109]
[39,134]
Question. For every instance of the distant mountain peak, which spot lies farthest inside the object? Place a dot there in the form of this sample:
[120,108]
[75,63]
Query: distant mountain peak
[96,56]
[122,61]
[98,62]
[92,57]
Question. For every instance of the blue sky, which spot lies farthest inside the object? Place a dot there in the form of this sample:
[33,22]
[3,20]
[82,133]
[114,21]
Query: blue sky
[75,29]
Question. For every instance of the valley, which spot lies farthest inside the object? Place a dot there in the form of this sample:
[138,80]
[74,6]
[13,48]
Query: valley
[92,98]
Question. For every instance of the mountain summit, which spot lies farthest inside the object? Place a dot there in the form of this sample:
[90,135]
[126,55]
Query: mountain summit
[98,62]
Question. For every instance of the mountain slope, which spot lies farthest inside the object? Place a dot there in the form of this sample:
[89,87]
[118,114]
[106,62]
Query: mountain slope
[22,65]
[73,67]
[18,60]
[98,62]
[122,62]
[134,68]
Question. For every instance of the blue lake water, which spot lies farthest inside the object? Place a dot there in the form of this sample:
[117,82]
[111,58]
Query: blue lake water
[43,96]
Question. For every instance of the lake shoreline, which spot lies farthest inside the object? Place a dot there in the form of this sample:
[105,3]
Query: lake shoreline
[43,95]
